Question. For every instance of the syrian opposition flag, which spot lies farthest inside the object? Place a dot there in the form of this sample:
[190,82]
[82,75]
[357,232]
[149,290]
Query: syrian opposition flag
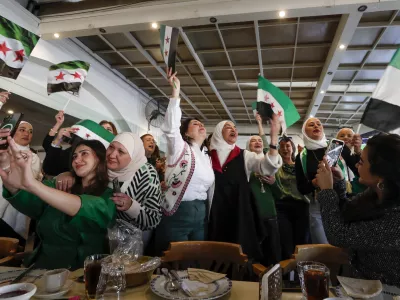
[169,44]
[67,77]
[16,44]
[278,102]
[383,110]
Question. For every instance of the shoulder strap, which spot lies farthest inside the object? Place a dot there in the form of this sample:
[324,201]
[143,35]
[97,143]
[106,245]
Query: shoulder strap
[303,160]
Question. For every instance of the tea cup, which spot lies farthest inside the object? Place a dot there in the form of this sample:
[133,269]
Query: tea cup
[54,280]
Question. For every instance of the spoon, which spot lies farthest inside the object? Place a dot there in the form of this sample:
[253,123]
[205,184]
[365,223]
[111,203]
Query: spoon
[171,284]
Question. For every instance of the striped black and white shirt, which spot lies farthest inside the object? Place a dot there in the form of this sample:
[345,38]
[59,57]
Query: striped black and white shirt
[145,191]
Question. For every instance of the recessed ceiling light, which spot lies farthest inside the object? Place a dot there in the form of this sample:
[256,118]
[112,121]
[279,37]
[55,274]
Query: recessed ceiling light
[154,25]
[10,112]
[322,92]
[342,46]
[282,13]
[56,35]
[311,116]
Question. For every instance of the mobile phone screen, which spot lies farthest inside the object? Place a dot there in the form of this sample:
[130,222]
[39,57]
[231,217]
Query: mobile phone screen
[333,152]
[11,122]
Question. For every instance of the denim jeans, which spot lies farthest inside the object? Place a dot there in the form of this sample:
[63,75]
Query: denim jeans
[316,227]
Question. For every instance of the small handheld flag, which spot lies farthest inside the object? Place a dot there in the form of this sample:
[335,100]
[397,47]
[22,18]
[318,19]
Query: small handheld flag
[67,77]
[280,104]
[383,109]
[169,44]
[16,45]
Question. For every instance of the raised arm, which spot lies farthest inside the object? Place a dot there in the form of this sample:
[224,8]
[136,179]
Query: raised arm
[54,130]
[172,122]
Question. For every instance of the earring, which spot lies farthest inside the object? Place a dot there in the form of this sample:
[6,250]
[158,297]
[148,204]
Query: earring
[380,186]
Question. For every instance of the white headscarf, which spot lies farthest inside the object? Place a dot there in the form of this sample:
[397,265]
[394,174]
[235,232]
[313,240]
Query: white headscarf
[219,144]
[311,144]
[261,154]
[135,148]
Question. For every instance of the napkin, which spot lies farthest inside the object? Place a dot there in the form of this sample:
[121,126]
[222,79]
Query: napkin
[360,288]
[204,276]
[194,288]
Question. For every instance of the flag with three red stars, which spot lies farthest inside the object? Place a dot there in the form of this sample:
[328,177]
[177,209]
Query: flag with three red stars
[169,43]
[278,102]
[67,77]
[16,44]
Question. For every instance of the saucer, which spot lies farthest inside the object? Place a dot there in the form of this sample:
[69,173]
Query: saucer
[42,294]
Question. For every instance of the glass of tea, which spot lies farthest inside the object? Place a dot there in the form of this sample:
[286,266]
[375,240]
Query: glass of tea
[92,270]
[316,282]
[300,271]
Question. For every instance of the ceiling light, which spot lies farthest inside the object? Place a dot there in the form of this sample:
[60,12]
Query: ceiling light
[10,112]
[56,35]
[154,25]
[342,46]
[322,92]
[311,116]
[282,13]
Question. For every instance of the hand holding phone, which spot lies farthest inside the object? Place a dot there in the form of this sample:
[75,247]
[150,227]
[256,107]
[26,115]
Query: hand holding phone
[334,151]
[116,187]
[10,122]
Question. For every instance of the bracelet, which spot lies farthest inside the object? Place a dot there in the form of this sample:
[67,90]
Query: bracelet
[54,130]
[6,168]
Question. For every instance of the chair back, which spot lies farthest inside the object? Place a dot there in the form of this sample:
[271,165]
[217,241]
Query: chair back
[8,247]
[226,258]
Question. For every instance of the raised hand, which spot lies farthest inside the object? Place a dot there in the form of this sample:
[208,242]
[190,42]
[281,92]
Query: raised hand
[275,125]
[357,142]
[324,175]
[174,83]
[4,97]
[258,119]
[60,118]
[64,132]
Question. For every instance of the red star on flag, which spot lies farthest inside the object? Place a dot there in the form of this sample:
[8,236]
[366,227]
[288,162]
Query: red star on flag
[19,55]
[4,49]
[166,53]
[279,114]
[272,105]
[77,75]
[87,135]
[60,76]
[266,98]
[167,39]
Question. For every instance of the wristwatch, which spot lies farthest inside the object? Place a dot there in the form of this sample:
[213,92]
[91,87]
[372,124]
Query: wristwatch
[273,146]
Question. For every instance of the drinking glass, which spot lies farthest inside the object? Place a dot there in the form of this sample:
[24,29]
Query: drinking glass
[316,281]
[300,271]
[112,280]
[92,269]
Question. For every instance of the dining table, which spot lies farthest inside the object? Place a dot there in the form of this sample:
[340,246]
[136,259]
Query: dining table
[240,289]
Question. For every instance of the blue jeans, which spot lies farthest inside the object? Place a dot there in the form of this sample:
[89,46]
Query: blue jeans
[316,227]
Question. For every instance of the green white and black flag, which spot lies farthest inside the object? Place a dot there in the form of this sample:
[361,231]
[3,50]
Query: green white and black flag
[169,44]
[67,77]
[383,109]
[16,44]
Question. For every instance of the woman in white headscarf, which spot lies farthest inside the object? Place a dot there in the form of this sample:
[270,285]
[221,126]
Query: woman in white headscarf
[234,216]
[16,220]
[140,198]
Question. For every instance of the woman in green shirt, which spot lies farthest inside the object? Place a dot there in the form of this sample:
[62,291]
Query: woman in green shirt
[70,226]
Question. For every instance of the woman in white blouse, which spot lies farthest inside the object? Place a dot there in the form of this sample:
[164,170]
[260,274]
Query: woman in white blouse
[189,176]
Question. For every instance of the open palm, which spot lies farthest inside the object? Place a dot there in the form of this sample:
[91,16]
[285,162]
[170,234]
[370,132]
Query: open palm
[20,175]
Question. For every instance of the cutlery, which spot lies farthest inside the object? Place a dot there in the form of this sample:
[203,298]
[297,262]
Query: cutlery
[181,287]
[171,285]
[23,274]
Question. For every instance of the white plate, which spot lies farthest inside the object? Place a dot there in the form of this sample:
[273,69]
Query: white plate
[29,287]
[42,294]
[216,289]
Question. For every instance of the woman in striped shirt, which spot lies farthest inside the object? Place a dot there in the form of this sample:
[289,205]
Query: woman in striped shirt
[140,198]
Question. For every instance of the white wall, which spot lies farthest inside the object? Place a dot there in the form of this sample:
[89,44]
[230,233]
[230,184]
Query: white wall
[103,96]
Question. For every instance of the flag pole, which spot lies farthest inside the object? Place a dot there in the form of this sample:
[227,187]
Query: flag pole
[358,128]
[69,100]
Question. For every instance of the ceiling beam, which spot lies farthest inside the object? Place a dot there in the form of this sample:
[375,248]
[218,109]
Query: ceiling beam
[344,33]
[150,65]
[357,67]
[378,24]
[339,112]
[294,55]
[233,71]
[259,52]
[348,94]
[136,43]
[272,66]
[203,70]
[244,80]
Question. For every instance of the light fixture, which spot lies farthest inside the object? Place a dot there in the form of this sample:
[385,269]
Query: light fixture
[282,13]
[154,25]
[322,92]
[10,112]
[56,35]
[341,47]
[311,116]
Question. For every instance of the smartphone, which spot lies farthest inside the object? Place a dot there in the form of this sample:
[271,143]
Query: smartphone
[11,122]
[333,151]
[116,186]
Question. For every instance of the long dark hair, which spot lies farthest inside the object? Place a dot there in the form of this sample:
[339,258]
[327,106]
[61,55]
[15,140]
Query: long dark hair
[384,159]
[100,181]
[115,132]
[184,128]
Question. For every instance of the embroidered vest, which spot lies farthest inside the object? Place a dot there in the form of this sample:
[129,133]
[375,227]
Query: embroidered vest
[177,178]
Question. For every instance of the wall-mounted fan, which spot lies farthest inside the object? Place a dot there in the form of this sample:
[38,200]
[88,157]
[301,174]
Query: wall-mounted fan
[154,114]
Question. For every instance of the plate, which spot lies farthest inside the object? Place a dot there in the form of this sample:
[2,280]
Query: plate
[29,287]
[42,294]
[216,289]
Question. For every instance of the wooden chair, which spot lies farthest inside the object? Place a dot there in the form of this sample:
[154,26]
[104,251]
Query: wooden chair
[218,257]
[8,249]
[334,258]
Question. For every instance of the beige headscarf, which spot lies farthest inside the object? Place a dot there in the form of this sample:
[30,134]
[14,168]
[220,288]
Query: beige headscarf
[248,145]
[219,144]
[135,148]
[311,144]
